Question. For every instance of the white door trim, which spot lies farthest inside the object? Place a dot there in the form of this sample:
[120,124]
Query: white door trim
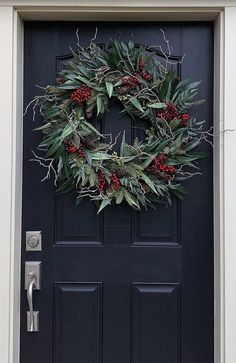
[12,15]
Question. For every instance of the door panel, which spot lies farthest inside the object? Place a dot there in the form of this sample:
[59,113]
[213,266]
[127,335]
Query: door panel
[155,323]
[121,286]
[78,322]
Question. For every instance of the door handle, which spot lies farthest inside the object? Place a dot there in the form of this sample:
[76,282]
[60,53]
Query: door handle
[32,320]
[32,282]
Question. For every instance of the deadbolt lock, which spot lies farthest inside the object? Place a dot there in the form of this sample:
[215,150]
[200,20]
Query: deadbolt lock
[33,241]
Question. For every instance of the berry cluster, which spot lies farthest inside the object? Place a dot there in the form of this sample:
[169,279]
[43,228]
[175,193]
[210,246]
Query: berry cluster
[170,113]
[102,182]
[185,119]
[81,153]
[72,149]
[146,75]
[131,81]
[141,64]
[81,95]
[115,182]
[158,166]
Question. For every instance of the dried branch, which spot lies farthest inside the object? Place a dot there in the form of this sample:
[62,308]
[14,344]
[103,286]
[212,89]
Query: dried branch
[48,164]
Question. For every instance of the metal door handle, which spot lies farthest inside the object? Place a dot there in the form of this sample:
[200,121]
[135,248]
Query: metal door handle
[31,326]
[32,282]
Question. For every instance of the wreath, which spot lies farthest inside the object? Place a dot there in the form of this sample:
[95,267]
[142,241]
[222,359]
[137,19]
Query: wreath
[83,159]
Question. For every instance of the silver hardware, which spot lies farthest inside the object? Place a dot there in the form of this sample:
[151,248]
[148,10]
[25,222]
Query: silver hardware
[33,267]
[35,326]
[32,282]
[33,241]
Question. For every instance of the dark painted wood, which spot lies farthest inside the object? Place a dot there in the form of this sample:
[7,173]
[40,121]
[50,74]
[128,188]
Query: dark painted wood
[120,286]
[155,334]
[77,322]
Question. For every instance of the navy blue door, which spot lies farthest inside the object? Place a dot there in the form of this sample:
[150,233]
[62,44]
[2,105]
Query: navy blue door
[121,286]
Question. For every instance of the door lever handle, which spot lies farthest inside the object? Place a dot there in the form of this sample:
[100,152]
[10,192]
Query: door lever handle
[32,282]
[31,321]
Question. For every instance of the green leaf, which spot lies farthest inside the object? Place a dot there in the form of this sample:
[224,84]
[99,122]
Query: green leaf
[92,178]
[156,105]
[59,165]
[66,131]
[88,156]
[119,195]
[148,161]
[198,155]
[52,150]
[130,200]
[136,104]
[79,199]
[43,127]
[99,104]
[67,186]
[104,203]
[166,85]
[148,182]
[191,145]
[179,191]
[118,83]
[88,124]
[109,87]
[122,145]
[100,156]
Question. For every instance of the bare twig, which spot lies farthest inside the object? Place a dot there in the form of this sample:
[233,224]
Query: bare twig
[48,164]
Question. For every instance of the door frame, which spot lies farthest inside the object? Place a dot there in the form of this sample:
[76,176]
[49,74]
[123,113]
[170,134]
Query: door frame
[12,16]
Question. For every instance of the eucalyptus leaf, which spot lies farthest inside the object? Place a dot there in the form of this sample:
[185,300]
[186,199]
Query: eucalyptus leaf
[104,203]
[136,103]
[109,87]
[156,105]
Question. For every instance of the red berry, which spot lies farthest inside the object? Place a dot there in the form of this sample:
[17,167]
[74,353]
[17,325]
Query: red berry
[131,81]
[81,153]
[158,167]
[169,113]
[141,64]
[81,95]
[70,148]
[115,182]
[102,182]
[146,76]
[185,117]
